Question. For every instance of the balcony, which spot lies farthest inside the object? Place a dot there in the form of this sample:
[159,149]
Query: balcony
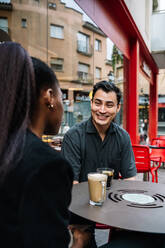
[84,48]
[6,5]
[84,78]
[157,38]
[119,80]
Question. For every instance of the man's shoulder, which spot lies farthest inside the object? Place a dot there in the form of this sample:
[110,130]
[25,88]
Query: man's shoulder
[78,128]
[121,132]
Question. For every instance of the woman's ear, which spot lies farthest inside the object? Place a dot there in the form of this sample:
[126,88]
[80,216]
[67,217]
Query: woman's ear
[48,98]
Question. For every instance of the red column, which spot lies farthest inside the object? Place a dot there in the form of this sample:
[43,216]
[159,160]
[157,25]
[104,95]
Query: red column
[153,108]
[125,92]
[131,112]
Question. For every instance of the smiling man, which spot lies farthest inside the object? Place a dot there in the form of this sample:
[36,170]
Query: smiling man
[99,142]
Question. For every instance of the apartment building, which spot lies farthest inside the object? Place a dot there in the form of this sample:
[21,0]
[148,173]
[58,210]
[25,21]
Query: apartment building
[76,50]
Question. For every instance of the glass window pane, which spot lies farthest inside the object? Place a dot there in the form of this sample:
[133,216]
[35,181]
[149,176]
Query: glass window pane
[97,45]
[56,64]
[56,31]
[98,73]
[83,42]
[4,24]
[24,23]
[83,67]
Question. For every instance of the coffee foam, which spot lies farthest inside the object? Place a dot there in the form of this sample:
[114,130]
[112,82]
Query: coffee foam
[97,177]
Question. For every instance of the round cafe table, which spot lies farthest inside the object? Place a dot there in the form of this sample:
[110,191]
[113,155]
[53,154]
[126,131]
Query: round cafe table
[118,211]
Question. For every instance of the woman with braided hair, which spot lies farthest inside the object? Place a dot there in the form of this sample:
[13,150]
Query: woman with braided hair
[35,181]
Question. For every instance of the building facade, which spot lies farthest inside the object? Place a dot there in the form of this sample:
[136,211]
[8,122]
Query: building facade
[76,50]
[148,19]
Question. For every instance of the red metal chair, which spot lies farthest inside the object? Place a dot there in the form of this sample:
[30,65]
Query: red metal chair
[103,226]
[145,163]
[162,136]
[158,152]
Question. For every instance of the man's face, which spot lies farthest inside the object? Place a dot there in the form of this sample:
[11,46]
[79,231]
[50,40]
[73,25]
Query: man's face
[104,108]
[55,116]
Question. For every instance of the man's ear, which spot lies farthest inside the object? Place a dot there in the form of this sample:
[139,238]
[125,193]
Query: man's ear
[118,108]
[91,102]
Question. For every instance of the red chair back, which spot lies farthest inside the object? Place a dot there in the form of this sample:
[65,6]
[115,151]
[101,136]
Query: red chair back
[142,158]
[162,136]
[158,142]
[158,152]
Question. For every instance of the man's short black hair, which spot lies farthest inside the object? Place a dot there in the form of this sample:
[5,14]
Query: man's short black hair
[107,87]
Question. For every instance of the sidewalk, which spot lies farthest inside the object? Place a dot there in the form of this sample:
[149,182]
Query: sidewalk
[102,235]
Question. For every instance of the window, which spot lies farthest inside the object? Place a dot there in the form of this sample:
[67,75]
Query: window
[98,72]
[82,42]
[64,94]
[161,115]
[52,5]
[24,23]
[83,71]
[4,24]
[56,31]
[57,64]
[97,45]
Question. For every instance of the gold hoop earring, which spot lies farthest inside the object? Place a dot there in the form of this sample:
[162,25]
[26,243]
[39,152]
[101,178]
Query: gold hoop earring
[51,106]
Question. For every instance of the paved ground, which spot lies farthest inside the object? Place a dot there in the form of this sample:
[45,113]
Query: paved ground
[102,235]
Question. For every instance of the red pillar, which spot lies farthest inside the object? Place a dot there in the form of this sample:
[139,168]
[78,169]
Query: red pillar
[153,108]
[131,111]
[125,92]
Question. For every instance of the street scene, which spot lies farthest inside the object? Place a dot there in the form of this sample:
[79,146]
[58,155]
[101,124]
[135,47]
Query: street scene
[82,148]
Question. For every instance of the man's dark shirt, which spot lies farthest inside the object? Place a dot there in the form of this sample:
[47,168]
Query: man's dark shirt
[84,149]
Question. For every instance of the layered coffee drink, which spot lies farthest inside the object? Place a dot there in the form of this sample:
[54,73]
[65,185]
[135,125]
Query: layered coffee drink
[109,172]
[97,188]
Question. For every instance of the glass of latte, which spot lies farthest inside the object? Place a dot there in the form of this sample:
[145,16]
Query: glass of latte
[109,172]
[97,188]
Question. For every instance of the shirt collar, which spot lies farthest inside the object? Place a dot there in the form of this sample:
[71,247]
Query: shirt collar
[91,128]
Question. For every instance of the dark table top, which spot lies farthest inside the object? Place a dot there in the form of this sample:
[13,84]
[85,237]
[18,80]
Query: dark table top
[120,213]
[156,147]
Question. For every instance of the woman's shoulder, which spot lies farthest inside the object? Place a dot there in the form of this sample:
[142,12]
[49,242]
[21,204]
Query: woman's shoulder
[37,150]
[39,157]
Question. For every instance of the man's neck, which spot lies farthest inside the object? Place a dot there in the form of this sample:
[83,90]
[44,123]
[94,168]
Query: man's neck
[102,130]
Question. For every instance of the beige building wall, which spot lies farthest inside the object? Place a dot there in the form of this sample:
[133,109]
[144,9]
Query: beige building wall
[35,37]
[161,80]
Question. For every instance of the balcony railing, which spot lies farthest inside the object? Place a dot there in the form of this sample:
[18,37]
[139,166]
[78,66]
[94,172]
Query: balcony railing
[84,48]
[5,5]
[119,80]
[86,78]
[5,1]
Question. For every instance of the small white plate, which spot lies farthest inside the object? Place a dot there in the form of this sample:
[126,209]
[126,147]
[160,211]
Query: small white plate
[138,198]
